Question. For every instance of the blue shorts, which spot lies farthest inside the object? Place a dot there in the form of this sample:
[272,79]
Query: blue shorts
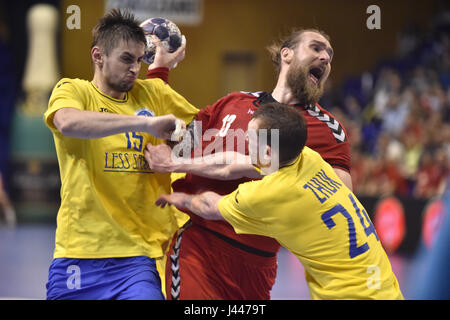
[134,278]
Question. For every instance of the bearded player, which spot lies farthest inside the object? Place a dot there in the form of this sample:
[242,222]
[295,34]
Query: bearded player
[207,259]
[302,203]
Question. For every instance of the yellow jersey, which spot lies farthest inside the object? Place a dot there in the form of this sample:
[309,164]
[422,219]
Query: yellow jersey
[309,211]
[107,188]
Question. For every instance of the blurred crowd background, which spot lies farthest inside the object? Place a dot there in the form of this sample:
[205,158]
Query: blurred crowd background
[389,87]
[397,116]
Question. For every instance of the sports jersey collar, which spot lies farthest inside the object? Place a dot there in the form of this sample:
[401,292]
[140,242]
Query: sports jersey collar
[266,97]
[111,98]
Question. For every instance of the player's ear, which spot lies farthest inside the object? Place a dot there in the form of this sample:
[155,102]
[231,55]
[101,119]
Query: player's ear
[97,56]
[286,55]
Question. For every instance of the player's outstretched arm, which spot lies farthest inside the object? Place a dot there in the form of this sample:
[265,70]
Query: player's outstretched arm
[76,123]
[220,166]
[203,205]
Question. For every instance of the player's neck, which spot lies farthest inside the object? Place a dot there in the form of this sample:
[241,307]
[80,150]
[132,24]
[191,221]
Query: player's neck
[283,93]
[105,89]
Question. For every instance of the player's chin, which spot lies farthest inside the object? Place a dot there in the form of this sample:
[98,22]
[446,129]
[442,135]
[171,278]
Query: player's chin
[127,84]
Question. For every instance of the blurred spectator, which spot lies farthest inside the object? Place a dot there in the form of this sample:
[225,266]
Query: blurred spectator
[408,40]
[395,115]
[411,158]
[400,131]
[389,84]
[352,107]
[432,173]
[433,98]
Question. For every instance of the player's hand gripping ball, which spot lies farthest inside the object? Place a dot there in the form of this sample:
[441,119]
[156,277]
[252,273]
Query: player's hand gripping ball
[166,31]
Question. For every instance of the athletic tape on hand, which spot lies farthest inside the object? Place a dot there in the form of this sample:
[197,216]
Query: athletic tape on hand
[178,133]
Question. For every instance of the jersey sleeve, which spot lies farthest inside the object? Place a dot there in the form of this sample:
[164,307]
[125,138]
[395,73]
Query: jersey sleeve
[339,156]
[160,73]
[329,138]
[172,102]
[238,208]
[64,95]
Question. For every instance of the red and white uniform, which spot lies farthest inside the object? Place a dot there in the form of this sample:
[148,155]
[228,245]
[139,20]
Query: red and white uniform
[207,259]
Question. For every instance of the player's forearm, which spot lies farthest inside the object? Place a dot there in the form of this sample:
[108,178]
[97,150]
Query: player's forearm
[205,205]
[220,166]
[90,125]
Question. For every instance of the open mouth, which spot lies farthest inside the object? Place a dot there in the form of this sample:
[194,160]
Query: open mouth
[315,74]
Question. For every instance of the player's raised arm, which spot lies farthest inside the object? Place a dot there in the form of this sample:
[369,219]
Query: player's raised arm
[165,59]
[76,123]
[165,44]
[203,205]
[228,165]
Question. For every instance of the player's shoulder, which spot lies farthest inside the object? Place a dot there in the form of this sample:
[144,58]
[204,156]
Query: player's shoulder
[153,86]
[150,83]
[310,160]
[243,95]
[250,94]
[270,186]
[252,192]
[72,82]
[316,110]
[309,153]
[295,171]
[239,100]
[329,121]
[71,86]
[277,188]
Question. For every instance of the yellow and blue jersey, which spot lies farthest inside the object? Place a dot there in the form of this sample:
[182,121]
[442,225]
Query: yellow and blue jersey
[308,210]
[108,191]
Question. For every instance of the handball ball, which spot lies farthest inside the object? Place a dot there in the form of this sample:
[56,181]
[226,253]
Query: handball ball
[166,31]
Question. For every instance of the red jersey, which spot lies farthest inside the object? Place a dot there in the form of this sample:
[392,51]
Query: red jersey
[231,115]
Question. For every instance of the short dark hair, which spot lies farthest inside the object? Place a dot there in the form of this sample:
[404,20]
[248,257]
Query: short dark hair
[291,41]
[291,125]
[115,26]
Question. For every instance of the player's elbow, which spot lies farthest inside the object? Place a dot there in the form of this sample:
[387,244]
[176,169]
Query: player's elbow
[63,122]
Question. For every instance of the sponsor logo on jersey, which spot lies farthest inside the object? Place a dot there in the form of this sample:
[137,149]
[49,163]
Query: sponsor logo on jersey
[144,111]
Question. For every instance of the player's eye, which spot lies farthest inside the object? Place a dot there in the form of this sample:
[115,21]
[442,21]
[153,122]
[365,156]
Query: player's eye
[127,59]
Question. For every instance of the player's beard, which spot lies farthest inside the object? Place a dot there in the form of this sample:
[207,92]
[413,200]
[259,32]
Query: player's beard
[301,86]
